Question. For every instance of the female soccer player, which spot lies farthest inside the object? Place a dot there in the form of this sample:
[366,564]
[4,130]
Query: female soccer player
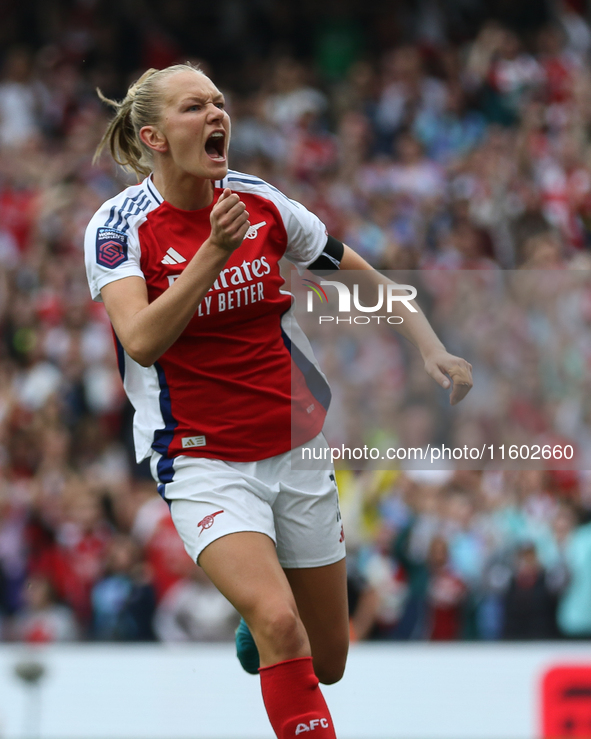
[187,264]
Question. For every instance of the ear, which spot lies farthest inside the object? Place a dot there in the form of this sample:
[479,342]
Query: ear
[154,139]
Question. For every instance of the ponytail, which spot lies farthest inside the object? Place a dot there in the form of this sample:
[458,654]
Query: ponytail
[141,107]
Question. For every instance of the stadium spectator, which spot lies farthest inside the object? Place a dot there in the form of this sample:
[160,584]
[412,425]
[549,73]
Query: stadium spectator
[43,619]
[123,601]
[388,582]
[529,604]
[18,99]
[194,610]
[446,594]
[574,610]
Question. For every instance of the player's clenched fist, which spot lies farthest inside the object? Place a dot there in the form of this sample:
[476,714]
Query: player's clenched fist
[229,221]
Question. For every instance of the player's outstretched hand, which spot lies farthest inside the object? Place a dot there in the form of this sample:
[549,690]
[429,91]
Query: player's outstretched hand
[229,221]
[443,366]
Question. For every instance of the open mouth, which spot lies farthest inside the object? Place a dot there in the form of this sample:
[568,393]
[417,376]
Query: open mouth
[215,145]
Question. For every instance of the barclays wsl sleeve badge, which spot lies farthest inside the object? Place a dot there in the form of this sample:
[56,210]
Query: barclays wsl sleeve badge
[111,247]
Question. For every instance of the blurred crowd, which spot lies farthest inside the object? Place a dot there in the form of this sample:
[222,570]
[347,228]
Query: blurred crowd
[426,150]
[444,555]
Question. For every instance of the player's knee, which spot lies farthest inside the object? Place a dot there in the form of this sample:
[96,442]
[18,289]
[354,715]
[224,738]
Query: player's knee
[331,671]
[282,628]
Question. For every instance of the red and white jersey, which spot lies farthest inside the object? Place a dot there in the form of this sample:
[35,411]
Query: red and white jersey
[224,389]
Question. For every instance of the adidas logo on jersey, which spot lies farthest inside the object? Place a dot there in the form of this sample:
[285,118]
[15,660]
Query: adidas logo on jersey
[173,257]
[323,722]
[191,441]
[253,230]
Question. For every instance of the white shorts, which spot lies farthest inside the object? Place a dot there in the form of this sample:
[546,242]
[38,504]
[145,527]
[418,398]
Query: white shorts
[297,509]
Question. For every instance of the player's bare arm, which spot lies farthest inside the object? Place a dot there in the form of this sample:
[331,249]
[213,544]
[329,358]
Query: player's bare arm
[146,330]
[439,363]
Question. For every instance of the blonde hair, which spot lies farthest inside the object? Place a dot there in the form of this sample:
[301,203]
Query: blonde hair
[141,107]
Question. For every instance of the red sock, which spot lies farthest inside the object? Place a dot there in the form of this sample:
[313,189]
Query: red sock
[294,702]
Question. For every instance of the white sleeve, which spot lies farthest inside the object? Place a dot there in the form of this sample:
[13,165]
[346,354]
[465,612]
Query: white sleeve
[306,234]
[110,254]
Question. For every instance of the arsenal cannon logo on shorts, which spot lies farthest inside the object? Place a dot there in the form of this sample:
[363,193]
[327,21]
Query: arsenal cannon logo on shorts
[207,522]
